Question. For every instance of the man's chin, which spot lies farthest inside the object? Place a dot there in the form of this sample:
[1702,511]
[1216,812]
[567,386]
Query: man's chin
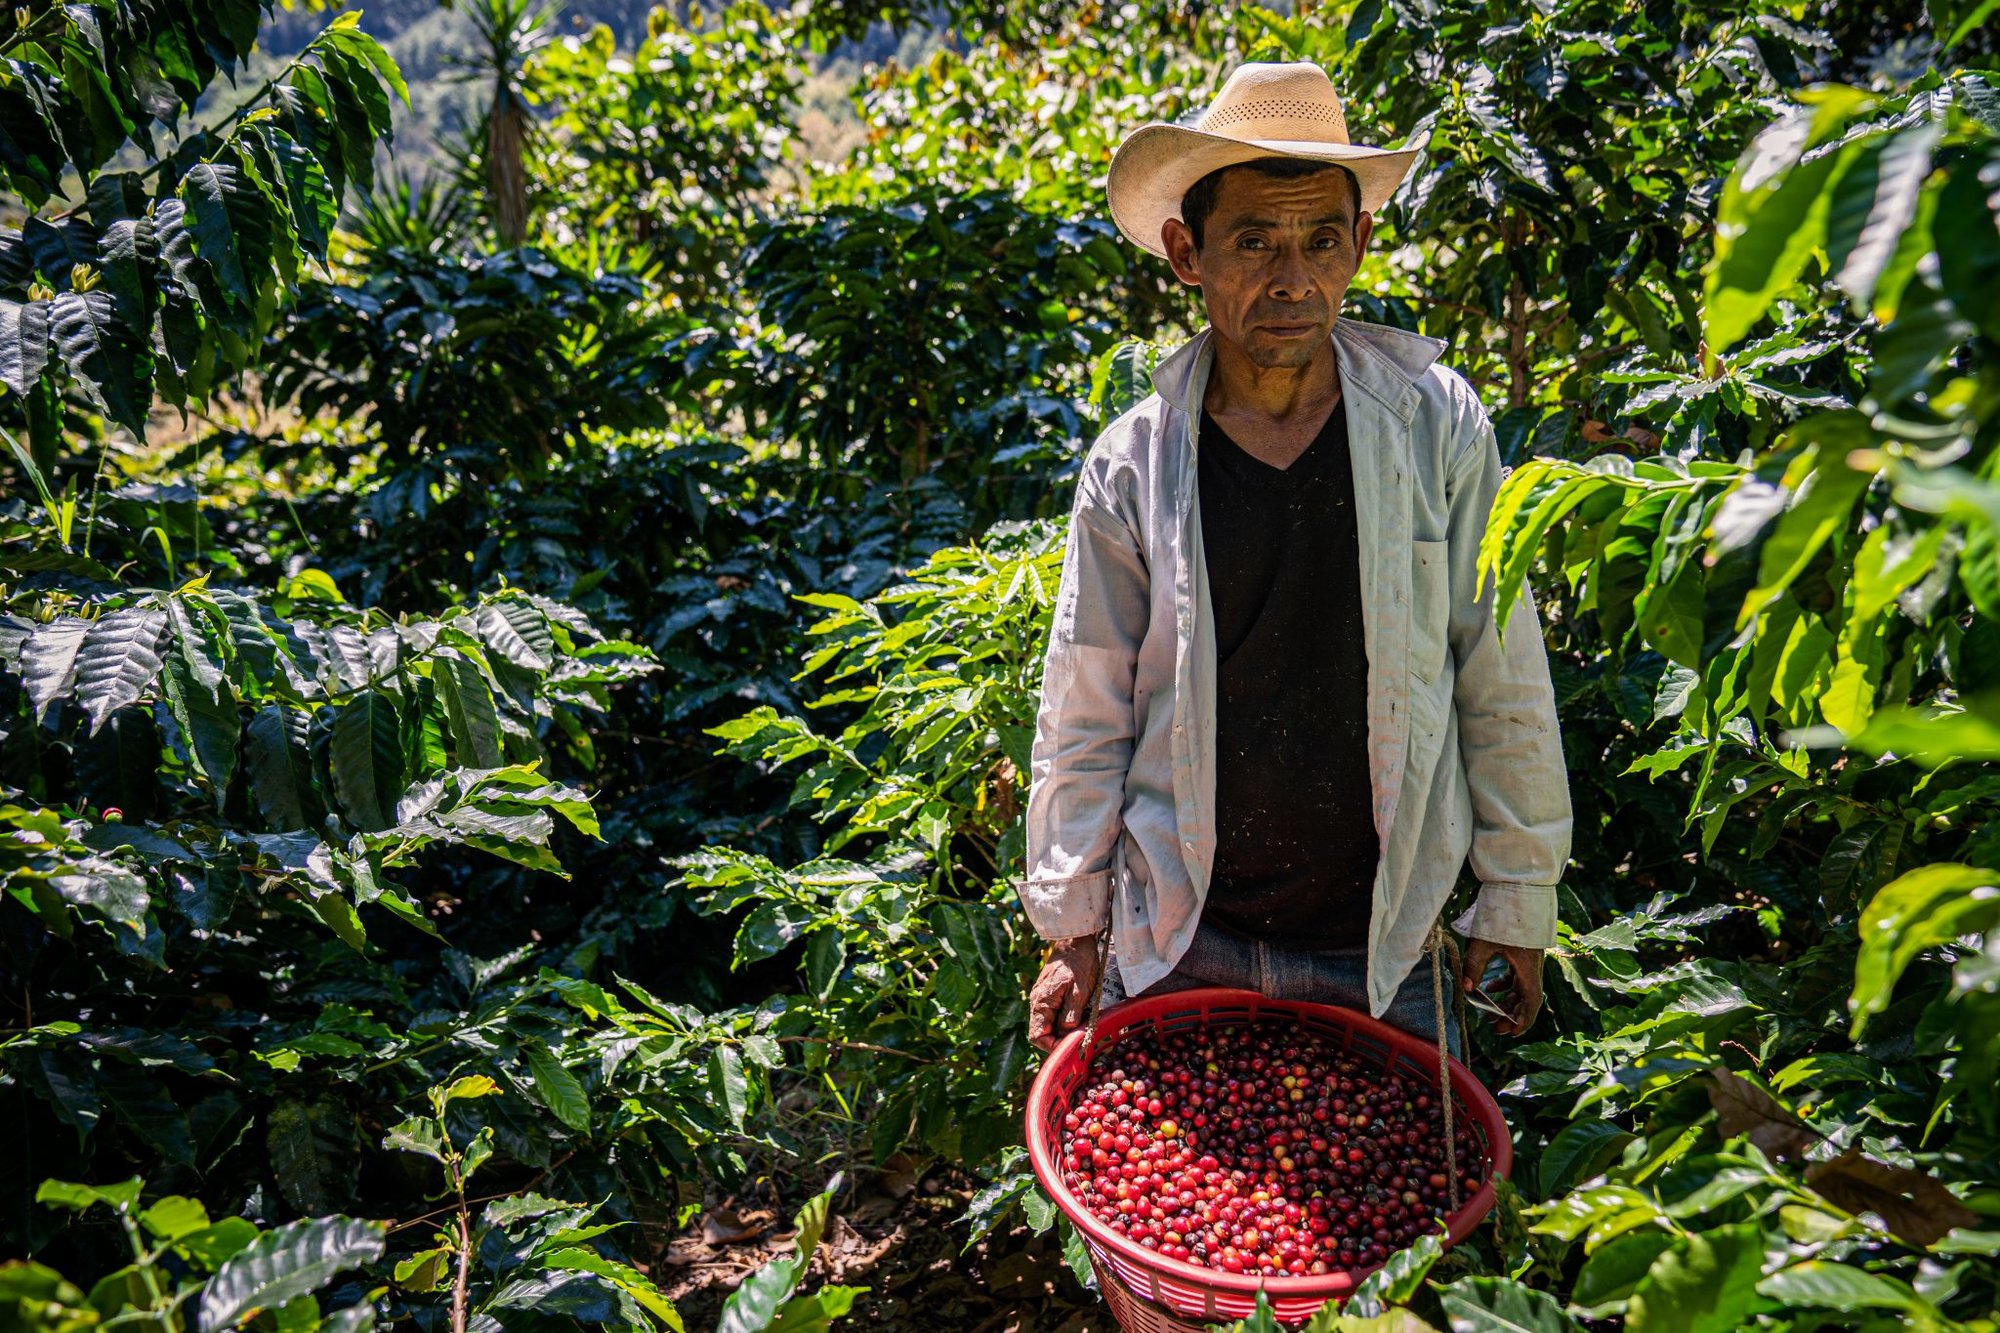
[1271,353]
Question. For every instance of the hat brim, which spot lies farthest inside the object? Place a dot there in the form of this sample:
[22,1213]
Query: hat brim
[1156,164]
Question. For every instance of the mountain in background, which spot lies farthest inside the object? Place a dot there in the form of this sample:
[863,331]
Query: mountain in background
[430,41]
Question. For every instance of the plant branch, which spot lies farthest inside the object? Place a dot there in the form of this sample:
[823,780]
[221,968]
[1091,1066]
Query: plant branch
[861,1046]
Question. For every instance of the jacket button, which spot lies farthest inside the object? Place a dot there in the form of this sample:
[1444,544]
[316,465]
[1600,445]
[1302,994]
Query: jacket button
[1188,843]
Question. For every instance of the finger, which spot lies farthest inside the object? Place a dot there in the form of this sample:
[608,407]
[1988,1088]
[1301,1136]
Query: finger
[1531,1000]
[1041,1016]
[1477,954]
[1073,1011]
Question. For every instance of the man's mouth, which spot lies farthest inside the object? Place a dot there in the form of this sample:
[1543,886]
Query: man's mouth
[1287,330]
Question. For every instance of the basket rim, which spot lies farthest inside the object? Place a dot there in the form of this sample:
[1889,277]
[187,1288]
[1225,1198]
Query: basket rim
[1069,1052]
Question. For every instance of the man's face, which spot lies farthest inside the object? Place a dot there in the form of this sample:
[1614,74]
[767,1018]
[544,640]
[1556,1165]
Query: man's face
[1275,262]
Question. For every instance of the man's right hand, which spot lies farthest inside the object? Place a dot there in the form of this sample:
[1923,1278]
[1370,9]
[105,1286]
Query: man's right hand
[1062,993]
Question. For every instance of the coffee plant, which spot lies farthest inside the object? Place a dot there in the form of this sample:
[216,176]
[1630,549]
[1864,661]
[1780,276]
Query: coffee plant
[505,746]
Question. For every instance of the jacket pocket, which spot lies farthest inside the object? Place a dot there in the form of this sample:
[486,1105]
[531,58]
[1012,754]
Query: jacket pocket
[1430,608]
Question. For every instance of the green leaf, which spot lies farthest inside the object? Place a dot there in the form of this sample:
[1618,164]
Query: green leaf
[93,342]
[314,1151]
[341,918]
[1873,204]
[199,643]
[1576,1149]
[556,1088]
[24,343]
[48,661]
[1967,227]
[1919,910]
[1706,1285]
[826,956]
[1931,736]
[284,1264]
[424,1271]
[757,1305]
[626,1278]
[1495,1305]
[280,766]
[127,254]
[1122,377]
[367,760]
[1927,332]
[358,45]
[214,1245]
[175,1216]
[1975,12]
[816,1312]
[517,632]
[770,928]
[986,1209]
[1821,504]
[1077,1255]
[120,657]
[1614,1270]
[226,221]
[1772,215]
[418,1135]
[470,712]
[209,727]
[1820,1285]
[1398,1280]
[308,194]
[727,1084]
[114,895]
[122,1197]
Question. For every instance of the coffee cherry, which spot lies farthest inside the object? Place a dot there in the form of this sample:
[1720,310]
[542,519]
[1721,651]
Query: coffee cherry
[1259,1150]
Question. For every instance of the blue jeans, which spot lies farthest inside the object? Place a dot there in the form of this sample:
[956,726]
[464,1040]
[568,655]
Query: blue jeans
[1218,957]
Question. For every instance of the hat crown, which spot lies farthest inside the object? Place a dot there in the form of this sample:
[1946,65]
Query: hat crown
[1292,101]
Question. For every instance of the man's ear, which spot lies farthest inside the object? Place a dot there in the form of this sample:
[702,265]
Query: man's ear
[1178,241]
[1364,227]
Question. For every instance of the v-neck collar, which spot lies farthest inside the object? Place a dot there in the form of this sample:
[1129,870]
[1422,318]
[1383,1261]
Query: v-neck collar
[1336,420]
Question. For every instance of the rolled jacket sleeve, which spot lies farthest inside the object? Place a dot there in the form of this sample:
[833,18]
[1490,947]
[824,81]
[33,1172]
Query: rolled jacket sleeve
[1085,727]
[1508,737]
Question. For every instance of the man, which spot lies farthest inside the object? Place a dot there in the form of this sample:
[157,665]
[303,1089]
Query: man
[1276,715]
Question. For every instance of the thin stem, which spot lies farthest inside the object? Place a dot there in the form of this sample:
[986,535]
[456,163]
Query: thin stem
[418,1053]
[861,1046]
[463,1280]
[142,1261]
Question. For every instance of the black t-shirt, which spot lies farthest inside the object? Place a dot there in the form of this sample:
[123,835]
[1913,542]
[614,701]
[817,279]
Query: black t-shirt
[1295,831]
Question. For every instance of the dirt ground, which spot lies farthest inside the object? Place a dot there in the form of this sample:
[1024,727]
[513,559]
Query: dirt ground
[900,1238]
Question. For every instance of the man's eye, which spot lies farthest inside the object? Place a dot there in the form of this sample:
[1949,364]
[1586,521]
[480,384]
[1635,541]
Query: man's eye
[1253,242]
[1328,242]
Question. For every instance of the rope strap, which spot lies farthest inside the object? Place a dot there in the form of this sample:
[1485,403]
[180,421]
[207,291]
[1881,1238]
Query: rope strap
[1437,945]
[1096,994]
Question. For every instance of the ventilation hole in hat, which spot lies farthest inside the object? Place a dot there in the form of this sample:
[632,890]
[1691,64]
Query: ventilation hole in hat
[1273,109]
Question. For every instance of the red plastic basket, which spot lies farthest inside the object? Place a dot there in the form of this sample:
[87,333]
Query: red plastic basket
[1149,1293]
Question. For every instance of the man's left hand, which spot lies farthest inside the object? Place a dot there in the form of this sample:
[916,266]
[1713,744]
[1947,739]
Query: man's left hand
[1523,996]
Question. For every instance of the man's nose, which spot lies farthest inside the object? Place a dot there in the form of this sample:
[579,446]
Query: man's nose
[1291,279]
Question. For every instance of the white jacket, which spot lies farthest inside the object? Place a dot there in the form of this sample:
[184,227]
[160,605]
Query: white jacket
[1464,750]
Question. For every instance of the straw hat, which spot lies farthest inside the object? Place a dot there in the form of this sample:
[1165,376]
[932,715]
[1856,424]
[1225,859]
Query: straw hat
[1263,110]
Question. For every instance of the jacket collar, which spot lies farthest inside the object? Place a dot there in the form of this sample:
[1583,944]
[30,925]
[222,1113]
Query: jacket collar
[1376,359]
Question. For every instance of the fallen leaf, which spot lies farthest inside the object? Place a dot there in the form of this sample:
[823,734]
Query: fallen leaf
[1741,1107]
[899,1175]
[724,1226]
[1914,1205]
